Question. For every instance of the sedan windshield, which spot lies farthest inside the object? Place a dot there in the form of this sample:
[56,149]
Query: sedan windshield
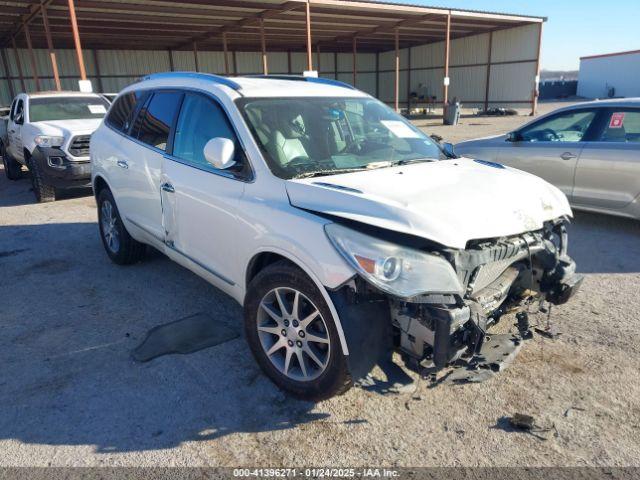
[304,137]
[66,108]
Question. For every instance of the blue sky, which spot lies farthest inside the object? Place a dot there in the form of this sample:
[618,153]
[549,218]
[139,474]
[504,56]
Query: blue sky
[575,27]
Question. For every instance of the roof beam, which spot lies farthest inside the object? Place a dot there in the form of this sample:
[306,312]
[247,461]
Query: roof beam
[253,19]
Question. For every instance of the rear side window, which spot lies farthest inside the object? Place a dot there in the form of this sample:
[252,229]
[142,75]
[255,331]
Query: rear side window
[201,119]
[621,126]
[156,118]
[119,116]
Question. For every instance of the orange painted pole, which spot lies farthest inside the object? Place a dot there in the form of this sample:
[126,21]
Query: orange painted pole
[263,46]
[309,54]
[76,40]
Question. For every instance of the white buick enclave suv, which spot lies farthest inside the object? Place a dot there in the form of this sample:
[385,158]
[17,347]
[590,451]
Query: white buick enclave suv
[345,232]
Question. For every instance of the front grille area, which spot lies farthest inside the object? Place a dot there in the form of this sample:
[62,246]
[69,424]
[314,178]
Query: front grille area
[79,146]
[480,266]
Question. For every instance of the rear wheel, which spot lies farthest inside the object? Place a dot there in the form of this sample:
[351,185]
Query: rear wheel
[12,169]
[43,191]
[292,335]
[121,247]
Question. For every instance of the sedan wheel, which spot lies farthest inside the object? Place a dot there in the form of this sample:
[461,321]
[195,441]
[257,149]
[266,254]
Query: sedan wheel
[293,334]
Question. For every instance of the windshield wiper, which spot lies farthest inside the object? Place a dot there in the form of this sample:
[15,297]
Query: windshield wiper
[321,173]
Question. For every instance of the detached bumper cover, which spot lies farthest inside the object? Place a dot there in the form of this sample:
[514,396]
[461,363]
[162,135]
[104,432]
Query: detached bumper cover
[61,172]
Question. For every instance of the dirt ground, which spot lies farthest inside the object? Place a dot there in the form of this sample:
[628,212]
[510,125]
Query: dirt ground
[70,394]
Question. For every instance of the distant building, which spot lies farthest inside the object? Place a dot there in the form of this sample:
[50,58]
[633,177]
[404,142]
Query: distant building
[610,75]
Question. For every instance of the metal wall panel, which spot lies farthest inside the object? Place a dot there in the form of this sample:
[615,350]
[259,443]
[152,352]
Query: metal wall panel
[512,82]
[469,50]
[183,61]
[468,84]
[387,86]
[425,56]
[388,59]
[431,80]
[519,43]
[211,62]
[278,62]
[327,62]
[134,62]
[298,62]
[249,62]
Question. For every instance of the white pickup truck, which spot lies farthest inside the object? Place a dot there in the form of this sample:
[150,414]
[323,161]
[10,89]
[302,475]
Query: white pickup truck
[49,133]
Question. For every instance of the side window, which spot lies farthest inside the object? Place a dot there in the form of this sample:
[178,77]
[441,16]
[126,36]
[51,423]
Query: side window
[156,118]
[621,126]
[564,127]
[119,116]
[11,110]
[200,120]
[19,111]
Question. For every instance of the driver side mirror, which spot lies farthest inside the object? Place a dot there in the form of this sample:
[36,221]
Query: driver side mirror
[514,137]
[19,118]
[449,150]
[220,153]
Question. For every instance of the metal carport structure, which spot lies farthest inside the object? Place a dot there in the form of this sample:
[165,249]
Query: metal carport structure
[389,50]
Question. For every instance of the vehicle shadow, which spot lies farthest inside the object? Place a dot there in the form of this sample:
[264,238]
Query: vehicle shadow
[69,327]
[604,243]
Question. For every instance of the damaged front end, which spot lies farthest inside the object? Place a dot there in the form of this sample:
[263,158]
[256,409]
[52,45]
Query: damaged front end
[433,331]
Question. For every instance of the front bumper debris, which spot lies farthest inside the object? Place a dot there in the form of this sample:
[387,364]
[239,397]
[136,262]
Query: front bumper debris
[501,277]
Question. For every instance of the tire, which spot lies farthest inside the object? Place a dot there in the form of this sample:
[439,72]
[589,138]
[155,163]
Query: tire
[12,169]
[279,333]
[44,193]
[121,247]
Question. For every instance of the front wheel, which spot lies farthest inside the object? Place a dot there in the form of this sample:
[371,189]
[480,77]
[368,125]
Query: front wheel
[121,247]
[41,189]
[292,335]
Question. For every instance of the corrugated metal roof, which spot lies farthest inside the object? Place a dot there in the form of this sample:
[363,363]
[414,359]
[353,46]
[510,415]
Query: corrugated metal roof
[161,24]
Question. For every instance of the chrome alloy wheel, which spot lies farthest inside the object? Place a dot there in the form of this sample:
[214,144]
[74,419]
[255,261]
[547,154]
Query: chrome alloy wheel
[293,334]
[108,225]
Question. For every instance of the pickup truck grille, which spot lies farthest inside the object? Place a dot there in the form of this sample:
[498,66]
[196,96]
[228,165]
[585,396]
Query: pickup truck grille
[79,146]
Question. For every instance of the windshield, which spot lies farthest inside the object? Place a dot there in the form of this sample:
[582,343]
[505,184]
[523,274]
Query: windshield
[322,136]
[66,108]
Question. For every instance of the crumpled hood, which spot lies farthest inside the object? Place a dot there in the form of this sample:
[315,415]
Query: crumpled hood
[449,202]
[68,128]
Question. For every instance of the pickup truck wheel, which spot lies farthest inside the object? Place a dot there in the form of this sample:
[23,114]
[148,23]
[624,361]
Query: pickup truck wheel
[292,336]
[12,169]
[121,247]
[44,193]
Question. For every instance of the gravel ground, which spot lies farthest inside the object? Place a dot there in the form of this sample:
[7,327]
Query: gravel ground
[71,395]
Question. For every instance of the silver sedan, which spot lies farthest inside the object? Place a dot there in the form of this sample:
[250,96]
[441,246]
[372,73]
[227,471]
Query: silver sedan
[591,151]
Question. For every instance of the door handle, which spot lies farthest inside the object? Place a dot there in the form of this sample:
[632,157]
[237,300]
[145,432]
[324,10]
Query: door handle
[167,187]
[12,131]
[568,156]
[122,164]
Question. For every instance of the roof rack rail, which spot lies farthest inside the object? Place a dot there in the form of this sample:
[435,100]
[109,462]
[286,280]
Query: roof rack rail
[302,78]
[197,75]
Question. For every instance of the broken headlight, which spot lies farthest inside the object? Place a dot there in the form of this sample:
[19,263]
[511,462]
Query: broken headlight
[397,270]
